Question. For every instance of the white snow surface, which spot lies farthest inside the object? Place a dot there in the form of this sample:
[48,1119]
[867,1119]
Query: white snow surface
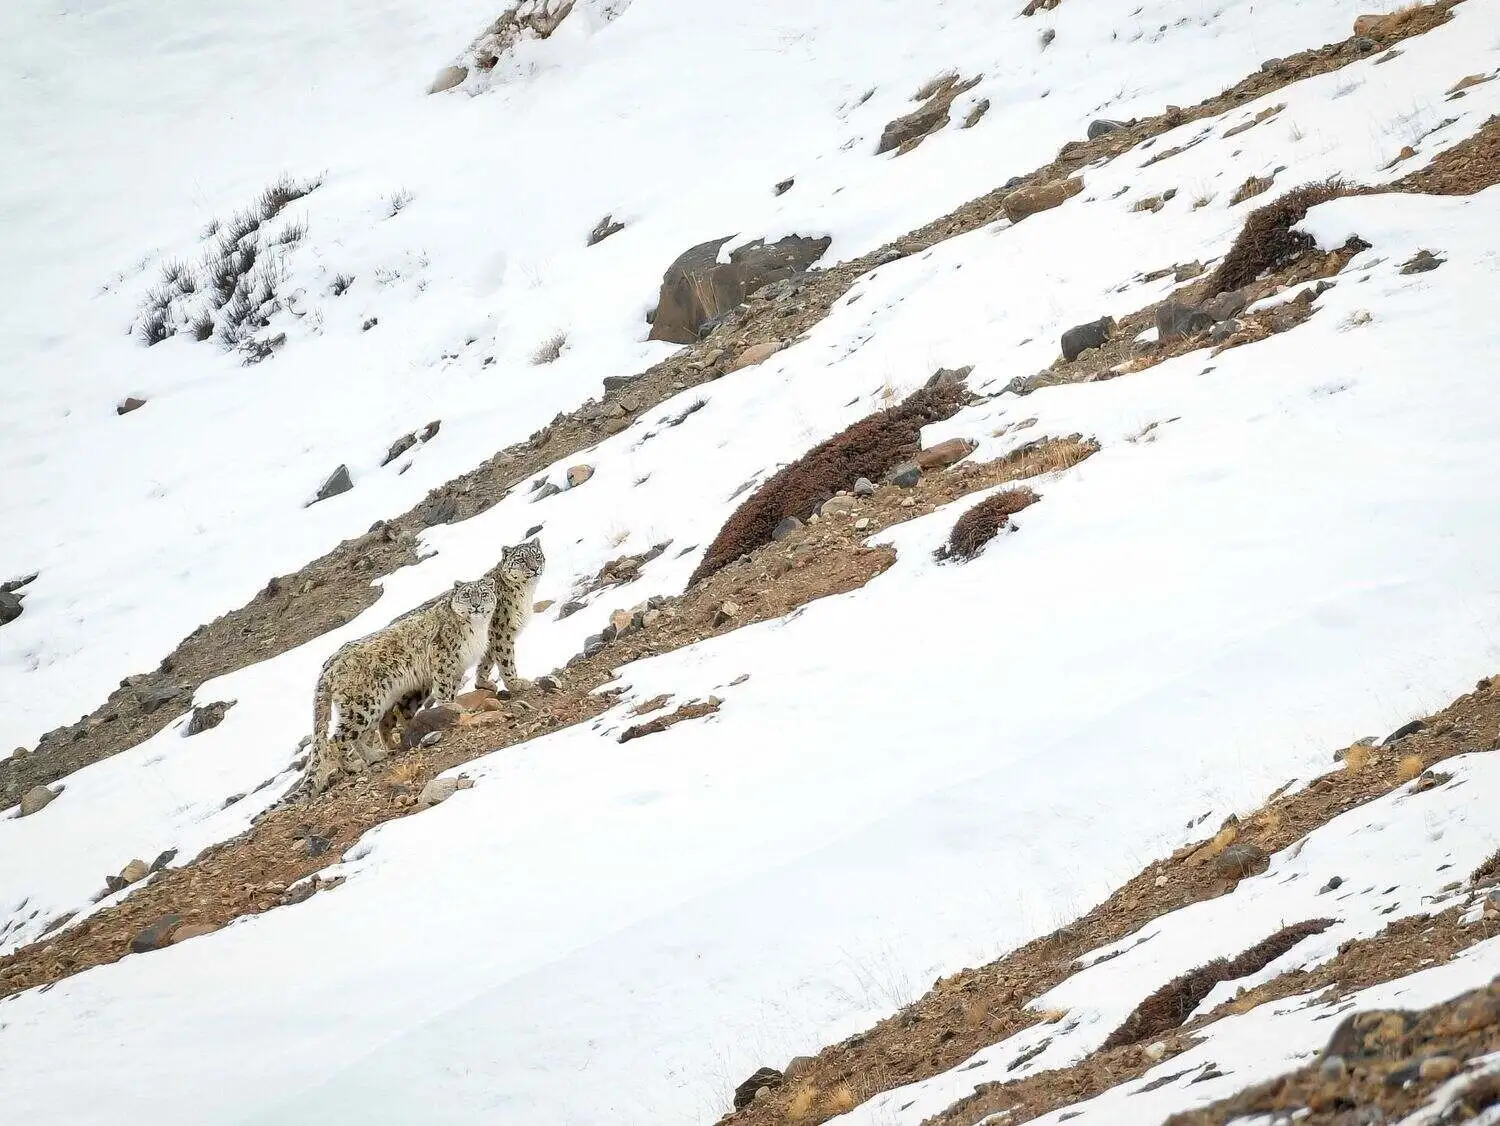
[918,775]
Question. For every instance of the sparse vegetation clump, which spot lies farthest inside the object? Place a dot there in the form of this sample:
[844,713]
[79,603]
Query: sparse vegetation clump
[398,202]
[232,293]
[983,522]
[1267,240]
[869,448]
[550,349]
[1171,1005]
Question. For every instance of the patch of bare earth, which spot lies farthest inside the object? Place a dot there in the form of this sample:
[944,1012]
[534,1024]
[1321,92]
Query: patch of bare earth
[975,1008]
[1381,1066]
[328,592]
[256,871]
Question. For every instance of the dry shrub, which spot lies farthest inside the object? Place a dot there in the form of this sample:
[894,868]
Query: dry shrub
[1358,757]
[550,349]
[840,1100]
[983,522]
[1254,186]
[1267,241]
[867,449]
[1409,767]
[1171,1005]
[802,1104]
[1487,871]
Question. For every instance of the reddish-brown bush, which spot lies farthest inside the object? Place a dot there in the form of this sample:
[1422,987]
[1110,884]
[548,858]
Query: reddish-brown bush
[867,449]
[983,522]
[1267,241]
[1171,1005]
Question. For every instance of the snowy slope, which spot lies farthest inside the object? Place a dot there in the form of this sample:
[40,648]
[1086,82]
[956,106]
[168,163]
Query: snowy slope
[1423,839]
[917,775]
[171,116]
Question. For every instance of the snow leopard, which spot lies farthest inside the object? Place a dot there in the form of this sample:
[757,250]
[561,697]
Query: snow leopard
[422,655]
[515,578]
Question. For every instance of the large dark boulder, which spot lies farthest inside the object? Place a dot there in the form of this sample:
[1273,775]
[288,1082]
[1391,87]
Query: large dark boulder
[698,288]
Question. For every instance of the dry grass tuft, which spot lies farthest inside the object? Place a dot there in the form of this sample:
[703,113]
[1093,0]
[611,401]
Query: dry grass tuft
[405,771]
[1357,757]
[934,84]
[983,522]
[840,1100]
[801,1104]
[1267,241]
[398,202]
[869,448]
[1487,871]
[1252,187]
[1409,767]
[550,349]
[1171,1005]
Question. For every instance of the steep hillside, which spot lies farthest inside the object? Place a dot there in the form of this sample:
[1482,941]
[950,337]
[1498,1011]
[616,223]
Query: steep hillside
[1111,444]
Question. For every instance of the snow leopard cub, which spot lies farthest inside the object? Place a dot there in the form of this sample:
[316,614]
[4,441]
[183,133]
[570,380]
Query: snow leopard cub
[424,654]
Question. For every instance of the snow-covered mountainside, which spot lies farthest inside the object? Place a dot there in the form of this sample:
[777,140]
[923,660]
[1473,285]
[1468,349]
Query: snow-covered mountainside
[312,309]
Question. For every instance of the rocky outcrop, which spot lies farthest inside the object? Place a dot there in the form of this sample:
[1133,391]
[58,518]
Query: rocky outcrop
[906,132]
[1039,197]
[697,288]
[524,19]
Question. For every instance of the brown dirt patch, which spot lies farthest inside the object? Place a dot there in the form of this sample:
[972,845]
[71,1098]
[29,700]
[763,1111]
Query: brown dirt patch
[1120,355]
[1464,169]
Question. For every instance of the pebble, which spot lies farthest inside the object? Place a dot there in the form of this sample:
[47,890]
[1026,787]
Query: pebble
[36,799]
[1157,1051]
[1438,1068]
[905,475]
[864,487]
[192,930]
[441,789]
[155,935]
[862,523]
[1333,1069]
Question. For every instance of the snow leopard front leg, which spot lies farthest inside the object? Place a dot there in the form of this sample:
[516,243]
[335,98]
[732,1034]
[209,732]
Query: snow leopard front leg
[502,653]
[447,679]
